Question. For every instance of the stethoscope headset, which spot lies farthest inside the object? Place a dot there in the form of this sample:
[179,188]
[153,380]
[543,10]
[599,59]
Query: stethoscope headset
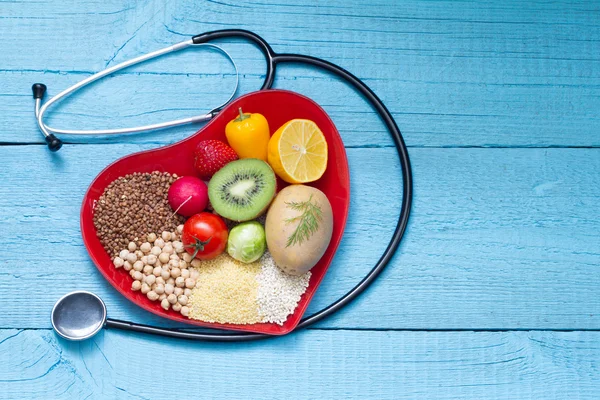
[273,60]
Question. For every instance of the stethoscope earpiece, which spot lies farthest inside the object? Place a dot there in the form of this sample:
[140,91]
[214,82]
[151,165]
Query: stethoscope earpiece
[54,143]
[39,90]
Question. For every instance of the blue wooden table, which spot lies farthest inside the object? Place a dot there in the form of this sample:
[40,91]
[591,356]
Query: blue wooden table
[495,290]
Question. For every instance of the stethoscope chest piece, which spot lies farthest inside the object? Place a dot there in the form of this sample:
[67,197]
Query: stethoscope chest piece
[78,315]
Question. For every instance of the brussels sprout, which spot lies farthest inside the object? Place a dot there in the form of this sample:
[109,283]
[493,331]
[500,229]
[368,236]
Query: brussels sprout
[247,242]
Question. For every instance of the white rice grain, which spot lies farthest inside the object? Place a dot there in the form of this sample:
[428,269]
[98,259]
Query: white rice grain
[278,292]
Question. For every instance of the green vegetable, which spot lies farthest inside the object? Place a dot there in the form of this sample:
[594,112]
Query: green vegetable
[309,220]
[247,242]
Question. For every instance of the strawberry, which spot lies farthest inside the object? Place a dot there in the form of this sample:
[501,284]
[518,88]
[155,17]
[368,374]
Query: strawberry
[212,155]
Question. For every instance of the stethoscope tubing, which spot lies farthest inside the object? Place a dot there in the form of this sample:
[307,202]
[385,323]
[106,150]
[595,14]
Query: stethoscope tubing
[273,60]
[49,132]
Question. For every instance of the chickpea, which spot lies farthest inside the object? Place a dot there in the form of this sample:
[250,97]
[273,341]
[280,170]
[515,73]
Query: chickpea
[187,257]
[131,273]
[169,288]
[183,264]
[157,271]
[174,264]
[180,282]
[137,275]
[165,274]
[194,274]
[172,299]
[178,291]
[160,288]
[150,279]
[196,263]
[138,266]
[190,283]
[148,269]
[146,247]
[144,259]
[139,254]
[124,253]
[165,304]
[168,249]
[131,257]
[180,228]
[151,237]
[166,236]
[185,311]
[171,281]
[182,299]
[175,272]
[136,285]
[162,297]
[127,266]
[187,292]
[152,259]
[160,280]
[152,295]
[145,288]
[159,243]
[185,273]
[174,257]
[164,258]
[176,307]
[156,251]
[118,262]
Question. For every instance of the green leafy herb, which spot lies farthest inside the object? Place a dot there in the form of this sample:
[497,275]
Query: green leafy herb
[309,220]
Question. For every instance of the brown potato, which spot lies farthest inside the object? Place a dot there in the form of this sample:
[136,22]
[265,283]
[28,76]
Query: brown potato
[294,246]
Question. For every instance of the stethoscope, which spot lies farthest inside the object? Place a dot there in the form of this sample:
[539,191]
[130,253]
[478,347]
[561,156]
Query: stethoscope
[80,315]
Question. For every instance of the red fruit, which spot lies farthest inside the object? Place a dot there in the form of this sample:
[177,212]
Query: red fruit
[204,235]
[188,196]
[211,156]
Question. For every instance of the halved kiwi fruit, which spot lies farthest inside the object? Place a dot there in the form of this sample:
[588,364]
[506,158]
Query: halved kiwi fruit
[243,189]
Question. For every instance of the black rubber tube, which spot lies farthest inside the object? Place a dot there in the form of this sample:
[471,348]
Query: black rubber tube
[273,60]
[244,34]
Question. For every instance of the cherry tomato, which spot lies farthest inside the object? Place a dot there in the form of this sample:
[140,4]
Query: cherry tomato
[204,235]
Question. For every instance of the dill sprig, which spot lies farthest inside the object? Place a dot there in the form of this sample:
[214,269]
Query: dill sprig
[309,220]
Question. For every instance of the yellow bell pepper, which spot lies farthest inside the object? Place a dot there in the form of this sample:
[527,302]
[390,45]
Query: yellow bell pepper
[249,135]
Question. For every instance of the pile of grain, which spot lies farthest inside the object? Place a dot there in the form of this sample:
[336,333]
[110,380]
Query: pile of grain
[133,206]
[229,291]
[278,292]
[225,292]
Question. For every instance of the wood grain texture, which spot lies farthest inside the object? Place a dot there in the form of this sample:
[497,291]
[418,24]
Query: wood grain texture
[503,236]
[452,73]
[309,365]
[498,239]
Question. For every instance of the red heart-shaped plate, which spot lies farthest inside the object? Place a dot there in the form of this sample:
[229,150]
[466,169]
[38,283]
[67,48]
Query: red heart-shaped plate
[278,106]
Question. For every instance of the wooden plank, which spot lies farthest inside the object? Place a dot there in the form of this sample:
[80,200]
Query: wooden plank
[453,73]
[499,238]
[311,364]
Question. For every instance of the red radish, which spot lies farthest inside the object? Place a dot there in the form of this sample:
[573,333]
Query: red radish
[188,196]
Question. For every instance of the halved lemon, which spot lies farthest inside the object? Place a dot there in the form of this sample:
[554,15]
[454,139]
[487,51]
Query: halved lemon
[298,151]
